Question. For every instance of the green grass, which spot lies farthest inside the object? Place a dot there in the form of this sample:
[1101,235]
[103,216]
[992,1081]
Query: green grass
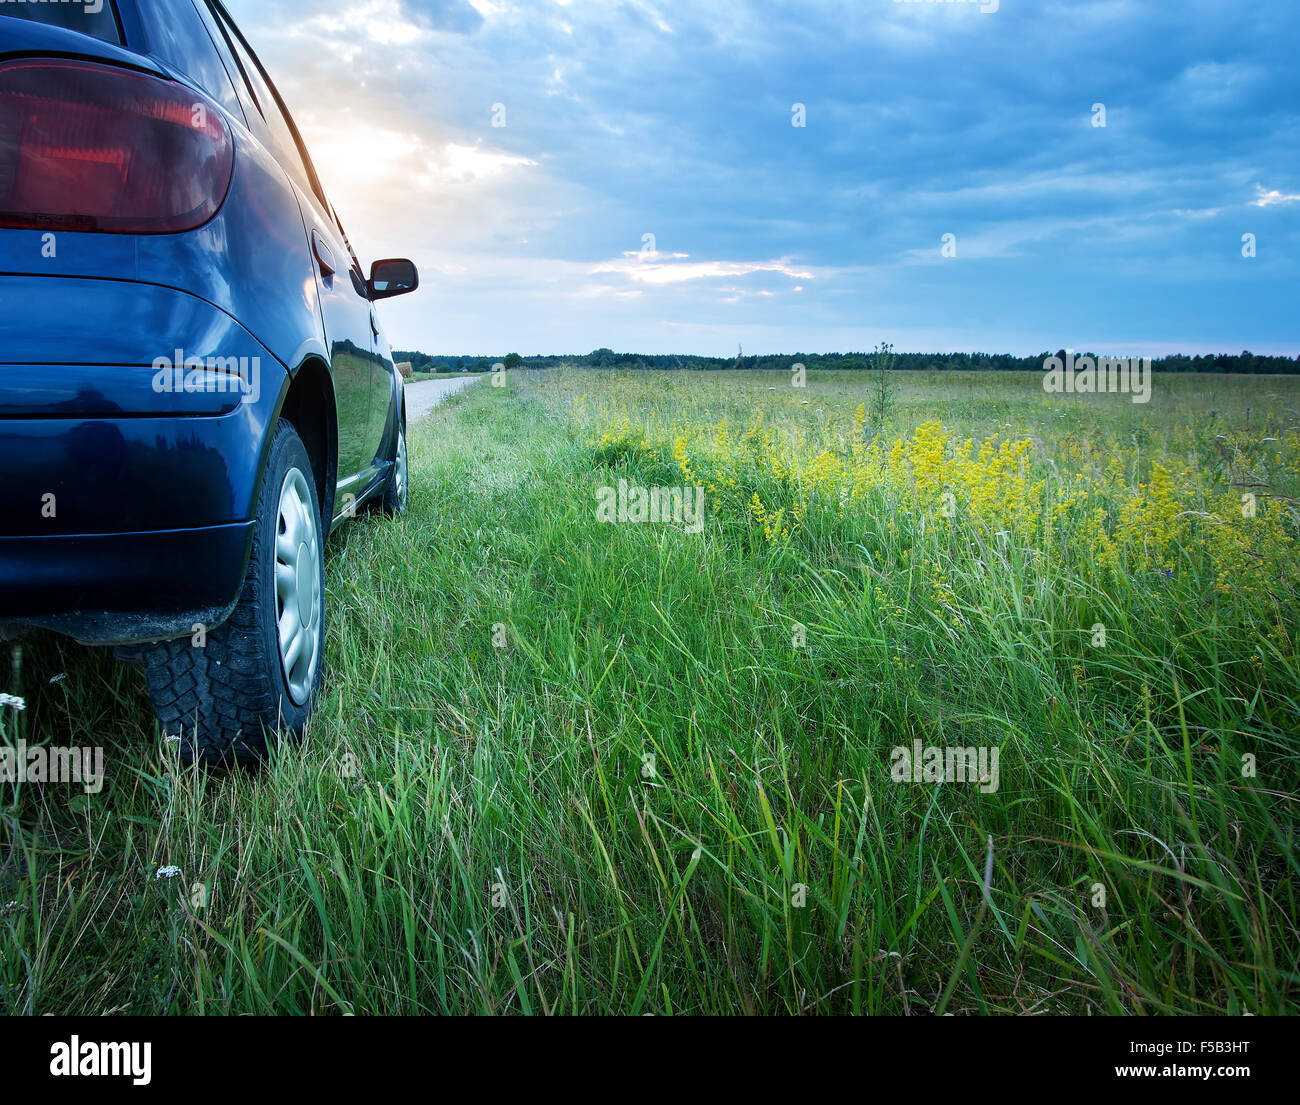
[617,810]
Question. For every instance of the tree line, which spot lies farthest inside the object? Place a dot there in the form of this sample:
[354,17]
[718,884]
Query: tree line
[1243,362]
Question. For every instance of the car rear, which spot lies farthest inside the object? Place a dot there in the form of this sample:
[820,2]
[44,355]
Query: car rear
[146,244]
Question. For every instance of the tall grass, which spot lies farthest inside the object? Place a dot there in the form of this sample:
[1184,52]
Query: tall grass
[656,795]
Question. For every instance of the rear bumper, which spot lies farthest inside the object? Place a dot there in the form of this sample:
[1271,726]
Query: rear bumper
[124,588]
[129,470]
[107,426]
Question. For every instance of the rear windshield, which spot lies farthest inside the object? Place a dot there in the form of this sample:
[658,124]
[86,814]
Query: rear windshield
[96,18]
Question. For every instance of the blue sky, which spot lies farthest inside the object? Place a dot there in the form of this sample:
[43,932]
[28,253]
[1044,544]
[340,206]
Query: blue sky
[627,118]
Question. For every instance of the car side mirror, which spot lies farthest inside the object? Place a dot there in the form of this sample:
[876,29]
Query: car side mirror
[394,276]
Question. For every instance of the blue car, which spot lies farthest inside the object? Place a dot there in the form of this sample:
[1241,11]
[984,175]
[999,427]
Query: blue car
[195,390]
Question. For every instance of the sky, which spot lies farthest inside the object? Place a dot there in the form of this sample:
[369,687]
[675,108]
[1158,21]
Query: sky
[574,174]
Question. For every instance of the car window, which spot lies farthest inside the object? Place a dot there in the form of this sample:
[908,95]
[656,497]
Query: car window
[97,21]
[178,36]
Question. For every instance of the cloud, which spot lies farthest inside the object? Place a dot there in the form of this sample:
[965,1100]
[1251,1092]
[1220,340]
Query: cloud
[659,268]
[1272,197]
[673,118]
[454,16]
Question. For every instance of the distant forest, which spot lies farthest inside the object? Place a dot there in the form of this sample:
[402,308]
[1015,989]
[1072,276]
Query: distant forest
[1244,362]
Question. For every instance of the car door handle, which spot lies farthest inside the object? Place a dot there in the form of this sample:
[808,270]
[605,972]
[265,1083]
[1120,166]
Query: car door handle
[374,325]
[324,255]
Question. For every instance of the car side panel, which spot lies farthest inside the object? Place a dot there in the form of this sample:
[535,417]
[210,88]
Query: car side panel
[346,309]
[342,298]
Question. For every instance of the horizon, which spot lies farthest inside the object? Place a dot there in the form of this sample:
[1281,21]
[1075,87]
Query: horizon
[867,353]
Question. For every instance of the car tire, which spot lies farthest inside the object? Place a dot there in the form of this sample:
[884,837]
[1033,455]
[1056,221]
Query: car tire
[232,693]
[398,489]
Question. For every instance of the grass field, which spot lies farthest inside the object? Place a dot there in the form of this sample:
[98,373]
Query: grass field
[562,765]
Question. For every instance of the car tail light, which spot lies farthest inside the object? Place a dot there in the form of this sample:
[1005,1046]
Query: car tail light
[98,148]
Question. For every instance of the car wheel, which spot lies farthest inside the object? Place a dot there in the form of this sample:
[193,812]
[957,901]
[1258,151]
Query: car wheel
[230,693]
[397,490]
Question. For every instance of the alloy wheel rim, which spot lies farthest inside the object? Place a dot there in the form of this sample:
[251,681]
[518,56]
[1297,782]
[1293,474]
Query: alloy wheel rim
[399,473]
[297,586]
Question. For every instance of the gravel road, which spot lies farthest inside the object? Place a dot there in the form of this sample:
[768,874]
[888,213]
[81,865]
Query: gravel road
[421,398]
